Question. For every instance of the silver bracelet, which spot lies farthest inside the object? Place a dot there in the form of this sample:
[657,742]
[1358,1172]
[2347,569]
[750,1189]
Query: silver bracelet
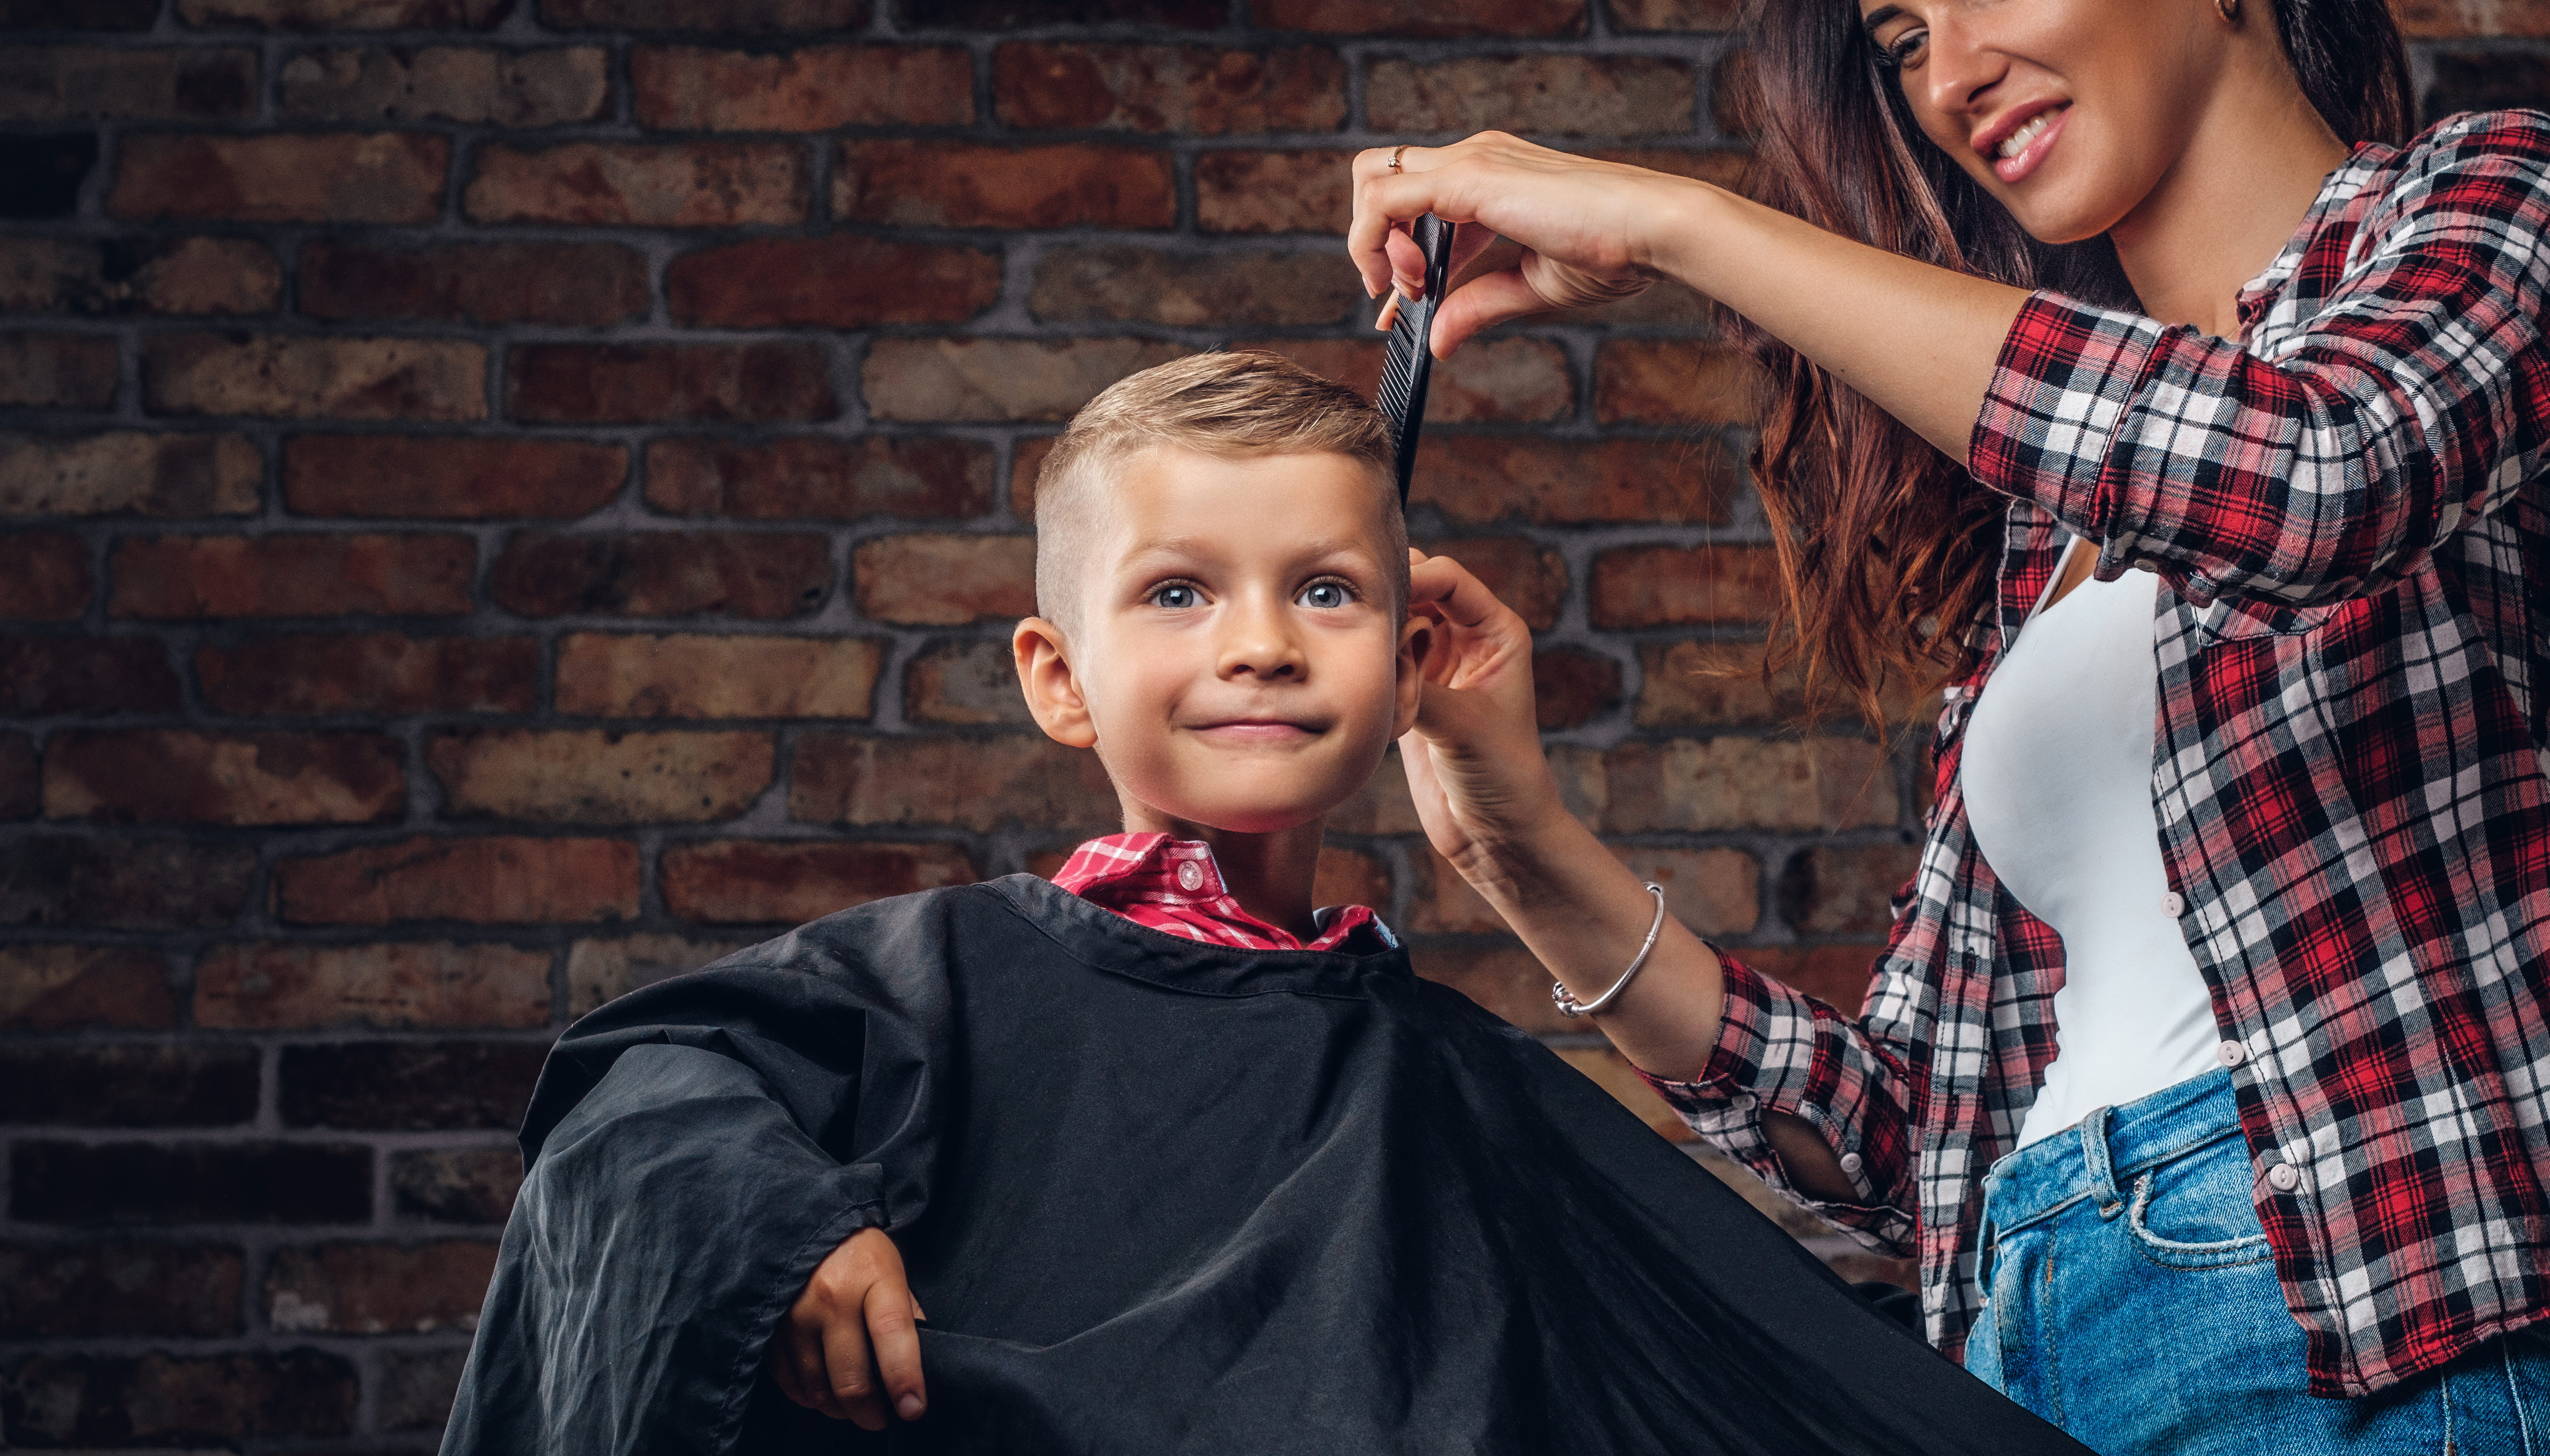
[1569,1005]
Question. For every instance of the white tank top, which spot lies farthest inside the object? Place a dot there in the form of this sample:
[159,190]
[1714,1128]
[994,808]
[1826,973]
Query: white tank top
[2057,776]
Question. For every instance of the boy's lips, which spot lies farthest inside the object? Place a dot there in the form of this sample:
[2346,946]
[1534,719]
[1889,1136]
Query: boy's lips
[1256,730]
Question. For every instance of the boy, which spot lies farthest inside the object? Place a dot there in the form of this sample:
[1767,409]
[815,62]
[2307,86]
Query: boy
[1176,1162]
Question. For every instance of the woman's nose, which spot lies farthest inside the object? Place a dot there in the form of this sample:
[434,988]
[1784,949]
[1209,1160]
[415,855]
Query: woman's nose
[1959,70]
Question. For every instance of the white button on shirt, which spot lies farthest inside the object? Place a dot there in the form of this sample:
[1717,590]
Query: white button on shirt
[2283,1178]
[2232,1053]
[2173,905]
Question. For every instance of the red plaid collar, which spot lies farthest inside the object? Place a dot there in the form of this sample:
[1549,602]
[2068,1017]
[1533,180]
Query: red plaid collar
[1173,885]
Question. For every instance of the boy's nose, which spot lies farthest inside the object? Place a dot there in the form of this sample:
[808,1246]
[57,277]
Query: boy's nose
[1258,646]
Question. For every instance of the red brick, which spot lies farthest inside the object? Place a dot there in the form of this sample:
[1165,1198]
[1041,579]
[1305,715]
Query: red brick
[1027,461]
[174,776]
[126,473]
[790,882]
[1715,892]
[91,15]
[815,477]
[1381,807]
[483,881]
[2468,19]
[165,1401]
[663,573]
[837,282]
[139,1182]
[132,1084]
[1352,362]
[819,88]
[177,275]
[965,184]
[572,283]
[1188,291]
[378,1289]
[1501,381]
[68,987]
[62,880]
[1676,15]
[304,379]
[44,576]
[643,383]
[1443,904]
[1549,93]
[1013,379]
[330,574]
[1575,482]
[1527,577]
[346,15]
[605,969]
[969,783]
[1571,687]
[1840,976]
[1734,96]
[1274,191]
[281,177]
[1505,980]
[922,580]
[408,1086]
[591,777]
[457,1185]
[689,184]
[57,371]
[964,685]
[471,84]
[47,675]
[1837,890]
[1192,90]
[21,796]
[447,478]
[739,17]
[326,674]
[705,675]
[1708,684]
[1687,785]
[1681,586]
[276,987]
[1660,381]
[1418,18]
[57,1290]
[42,83]
[1350,877]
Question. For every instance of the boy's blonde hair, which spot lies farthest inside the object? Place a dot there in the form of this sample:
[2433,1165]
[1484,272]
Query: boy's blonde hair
[1233,404]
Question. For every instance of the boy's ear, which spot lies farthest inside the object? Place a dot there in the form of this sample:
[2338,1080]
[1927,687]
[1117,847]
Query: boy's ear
[1052,690]
[1417,639]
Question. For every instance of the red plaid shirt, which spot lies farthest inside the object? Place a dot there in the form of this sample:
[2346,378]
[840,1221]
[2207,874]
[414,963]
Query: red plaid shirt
[1173,885]
[2349,770]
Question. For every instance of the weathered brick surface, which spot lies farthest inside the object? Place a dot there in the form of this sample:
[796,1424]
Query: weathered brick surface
[1833,890]
[1648,381]
[593,777]
[55,1290]
[55,881]
[302,378]
[131,1184]
[705,675]
[1018,379]
[1528,577]
[313,574]
[1193,89]
[1305,191]
[840,282]
[346,15]
[1676,15]
[569,283]
[40,676]
[944,580]
[42,83]
[1551,482]
[964,685]
[743,17]
[408,1086]
[811,477]
[691,88]
[1146,286]
[69,988]
[166,1401]
[1417,18]
[135,1086]
[2462,19]
[98,15]
[447,83]
[57,371]
[378,1289]
[1571,687]
[449,479]
[239,780]
[600,969]
[661,573]
[286,177]
[324,675]
[177,276]
[749,880]
[965,184]
[971,783]
[20,797]
[1003,15]
[280,986]
[1701,784]
[694,184]
[457,1185]
[497,879]
[629,383]
[1562,95]
[1675,586]
[127,474]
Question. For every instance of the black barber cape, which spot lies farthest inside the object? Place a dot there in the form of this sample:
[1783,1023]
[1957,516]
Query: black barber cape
[1156,1196]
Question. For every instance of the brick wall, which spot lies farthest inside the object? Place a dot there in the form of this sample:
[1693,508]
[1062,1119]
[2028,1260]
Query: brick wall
[505,500]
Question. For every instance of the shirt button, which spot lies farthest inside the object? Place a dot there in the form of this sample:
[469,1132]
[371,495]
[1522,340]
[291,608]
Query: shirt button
[2283,1178]
[1190,876]
[2232,1053]
[2173,905]
[1850,1163]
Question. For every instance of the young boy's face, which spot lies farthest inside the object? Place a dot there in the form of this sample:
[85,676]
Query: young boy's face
[1238,661]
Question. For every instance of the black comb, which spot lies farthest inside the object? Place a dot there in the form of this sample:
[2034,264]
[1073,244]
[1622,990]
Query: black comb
[1410,360]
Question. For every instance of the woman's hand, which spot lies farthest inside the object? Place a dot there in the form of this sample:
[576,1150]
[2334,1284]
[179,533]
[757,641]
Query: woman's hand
[1584,226]
[1474,762]
[848,1346]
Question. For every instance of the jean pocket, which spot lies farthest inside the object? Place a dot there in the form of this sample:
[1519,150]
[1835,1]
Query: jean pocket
[2196,1214]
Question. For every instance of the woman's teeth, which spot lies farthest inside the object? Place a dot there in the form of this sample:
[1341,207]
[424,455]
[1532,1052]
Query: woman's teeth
[2017,142]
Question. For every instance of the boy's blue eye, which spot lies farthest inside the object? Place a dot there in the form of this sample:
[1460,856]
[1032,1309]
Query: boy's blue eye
[1324,594]
[1174,596]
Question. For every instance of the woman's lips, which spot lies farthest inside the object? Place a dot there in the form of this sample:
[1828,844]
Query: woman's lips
[2013,168]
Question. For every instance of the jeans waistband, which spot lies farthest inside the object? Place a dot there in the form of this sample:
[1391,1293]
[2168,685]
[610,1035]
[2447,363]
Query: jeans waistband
[2104,1151]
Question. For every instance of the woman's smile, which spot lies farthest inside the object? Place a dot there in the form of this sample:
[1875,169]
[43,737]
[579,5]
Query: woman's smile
[2020,150]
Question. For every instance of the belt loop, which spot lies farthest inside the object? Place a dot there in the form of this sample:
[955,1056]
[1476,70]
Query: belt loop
[2100,1173]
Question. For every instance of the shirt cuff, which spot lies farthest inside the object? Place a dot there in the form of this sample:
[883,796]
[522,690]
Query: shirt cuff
[2065,382]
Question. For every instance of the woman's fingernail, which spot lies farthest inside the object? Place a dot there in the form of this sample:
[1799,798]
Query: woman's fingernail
[908,1407]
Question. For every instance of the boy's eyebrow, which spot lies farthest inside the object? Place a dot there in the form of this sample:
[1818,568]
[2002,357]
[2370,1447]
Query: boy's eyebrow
[1166,551]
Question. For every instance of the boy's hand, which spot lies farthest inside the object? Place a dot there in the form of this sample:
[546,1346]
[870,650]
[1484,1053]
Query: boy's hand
[848,1347]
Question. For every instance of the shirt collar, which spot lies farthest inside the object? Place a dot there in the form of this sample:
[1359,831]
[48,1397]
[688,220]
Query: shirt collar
[1151,876]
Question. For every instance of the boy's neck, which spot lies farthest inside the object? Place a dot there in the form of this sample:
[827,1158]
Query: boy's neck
[1270,875]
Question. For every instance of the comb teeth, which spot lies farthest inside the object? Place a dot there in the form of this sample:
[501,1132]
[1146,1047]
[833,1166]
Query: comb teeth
[1409,361]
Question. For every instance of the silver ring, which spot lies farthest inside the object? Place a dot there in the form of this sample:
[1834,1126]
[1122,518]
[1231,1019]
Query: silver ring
[1395,154]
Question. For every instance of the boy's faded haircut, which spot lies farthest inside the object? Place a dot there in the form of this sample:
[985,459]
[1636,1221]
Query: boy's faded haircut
[1234,403]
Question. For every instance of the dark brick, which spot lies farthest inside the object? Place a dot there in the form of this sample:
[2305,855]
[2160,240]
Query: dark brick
[325,674]
[42,83]
[301,574]
[914,184]
[281,177]
[1563,94]
[476,85]
[44,576]
[143,1183]
[129,276]
[87,15]
[815,477]
[379,1288]
[485,881]
[409,1085]
[348,15]
[573,283]
[643,383]
[1571,687]
[129,473]
[1196,90]
[819,88]
[144,1086]
[417,1386]
[57,371]
[18,796]
[2484,80]
[839,282]
[1004,15]
[40,174]
[124,884]
[749,881]
[161,1400]
[305,377]
[1838,891]
[54,1290]
[184,776]
[43,676]
[688,184]
[1423,17]
[663,573]
[442,478]
[733,17]
[69,988]
[457,1185]
[1145,285]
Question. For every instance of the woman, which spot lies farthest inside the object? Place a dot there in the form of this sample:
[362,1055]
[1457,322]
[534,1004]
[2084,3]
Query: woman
[2208,1069]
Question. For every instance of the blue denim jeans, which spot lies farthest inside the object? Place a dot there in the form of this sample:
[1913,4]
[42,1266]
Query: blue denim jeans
[2135,1302]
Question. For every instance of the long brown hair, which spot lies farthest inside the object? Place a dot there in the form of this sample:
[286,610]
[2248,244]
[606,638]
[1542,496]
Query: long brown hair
[1888,548]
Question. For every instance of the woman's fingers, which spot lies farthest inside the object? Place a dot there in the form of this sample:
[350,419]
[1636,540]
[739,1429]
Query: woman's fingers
[1482,304]
[894,1340]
